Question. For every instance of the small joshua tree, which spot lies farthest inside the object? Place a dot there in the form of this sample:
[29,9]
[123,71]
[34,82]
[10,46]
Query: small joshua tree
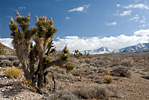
[77,53]
[42,33]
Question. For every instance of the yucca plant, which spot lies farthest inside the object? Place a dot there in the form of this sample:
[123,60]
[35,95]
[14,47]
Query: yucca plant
[42,33]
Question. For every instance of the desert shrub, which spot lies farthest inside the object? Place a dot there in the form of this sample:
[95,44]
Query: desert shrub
[77,72]
[127,63]
[108,79]
[13,72]
[99,63]
[86,66]
[63,76]
[58,70]
[16,63]
[87,72]
[96,78]
[5,63]
[101,69]
[70,67]
[12,58]
[62,95]
[85,91]
[2,57]
[146,77]
[87,61]
[120,71]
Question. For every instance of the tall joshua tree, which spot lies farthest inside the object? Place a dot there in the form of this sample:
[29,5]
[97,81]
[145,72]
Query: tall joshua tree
[42,33]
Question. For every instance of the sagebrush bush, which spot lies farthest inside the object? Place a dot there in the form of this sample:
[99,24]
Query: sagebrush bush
[108,79]
[13,72]
[120,71]
[127,63]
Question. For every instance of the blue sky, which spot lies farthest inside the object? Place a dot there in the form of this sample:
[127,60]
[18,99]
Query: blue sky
[85,21]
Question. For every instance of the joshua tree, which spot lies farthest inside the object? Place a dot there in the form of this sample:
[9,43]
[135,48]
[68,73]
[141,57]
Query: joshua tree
[42,33]
[77,53]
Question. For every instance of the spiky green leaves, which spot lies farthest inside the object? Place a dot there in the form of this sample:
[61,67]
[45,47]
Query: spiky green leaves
[65,50]
[77,54]
[51,32]
[19,35]
[45,28]
[65,56]
[33,30]
[21,32]
[46,59]
[22,19]
[69,67]
[27,34]
[13,26]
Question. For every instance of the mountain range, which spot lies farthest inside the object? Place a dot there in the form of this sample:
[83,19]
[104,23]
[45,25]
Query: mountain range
[102,50]
[135,48]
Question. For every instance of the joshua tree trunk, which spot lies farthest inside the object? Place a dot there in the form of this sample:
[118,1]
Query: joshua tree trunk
[22,51]
[41,71]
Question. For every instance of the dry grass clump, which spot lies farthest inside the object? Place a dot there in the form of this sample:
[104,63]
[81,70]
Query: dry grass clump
[13,72]
[108,79]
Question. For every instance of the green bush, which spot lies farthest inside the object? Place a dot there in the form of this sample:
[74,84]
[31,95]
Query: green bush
[70,67]
[46,59]
[13,72]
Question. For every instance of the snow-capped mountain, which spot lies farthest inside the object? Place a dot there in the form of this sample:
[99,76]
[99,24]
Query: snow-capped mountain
[101,50]
[135,48]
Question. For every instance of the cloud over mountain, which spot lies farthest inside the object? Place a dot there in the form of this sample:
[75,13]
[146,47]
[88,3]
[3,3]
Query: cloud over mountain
[91,43]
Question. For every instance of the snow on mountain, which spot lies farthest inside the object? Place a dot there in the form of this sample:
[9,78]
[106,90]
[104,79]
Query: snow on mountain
[101,50]
[134,48]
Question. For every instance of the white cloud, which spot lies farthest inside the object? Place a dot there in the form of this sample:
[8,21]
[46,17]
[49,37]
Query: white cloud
[143,20]
[111,24]
[90,43]
[142,25]
[128,12]
[136,18]
[143,33]
[118,5]
[82,8]
[67,18]
[141,6]
[75,42]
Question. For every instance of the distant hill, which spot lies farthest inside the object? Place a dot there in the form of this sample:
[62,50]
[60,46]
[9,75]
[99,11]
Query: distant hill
[4,50]
[136,48]
[101,50]
[141,47]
